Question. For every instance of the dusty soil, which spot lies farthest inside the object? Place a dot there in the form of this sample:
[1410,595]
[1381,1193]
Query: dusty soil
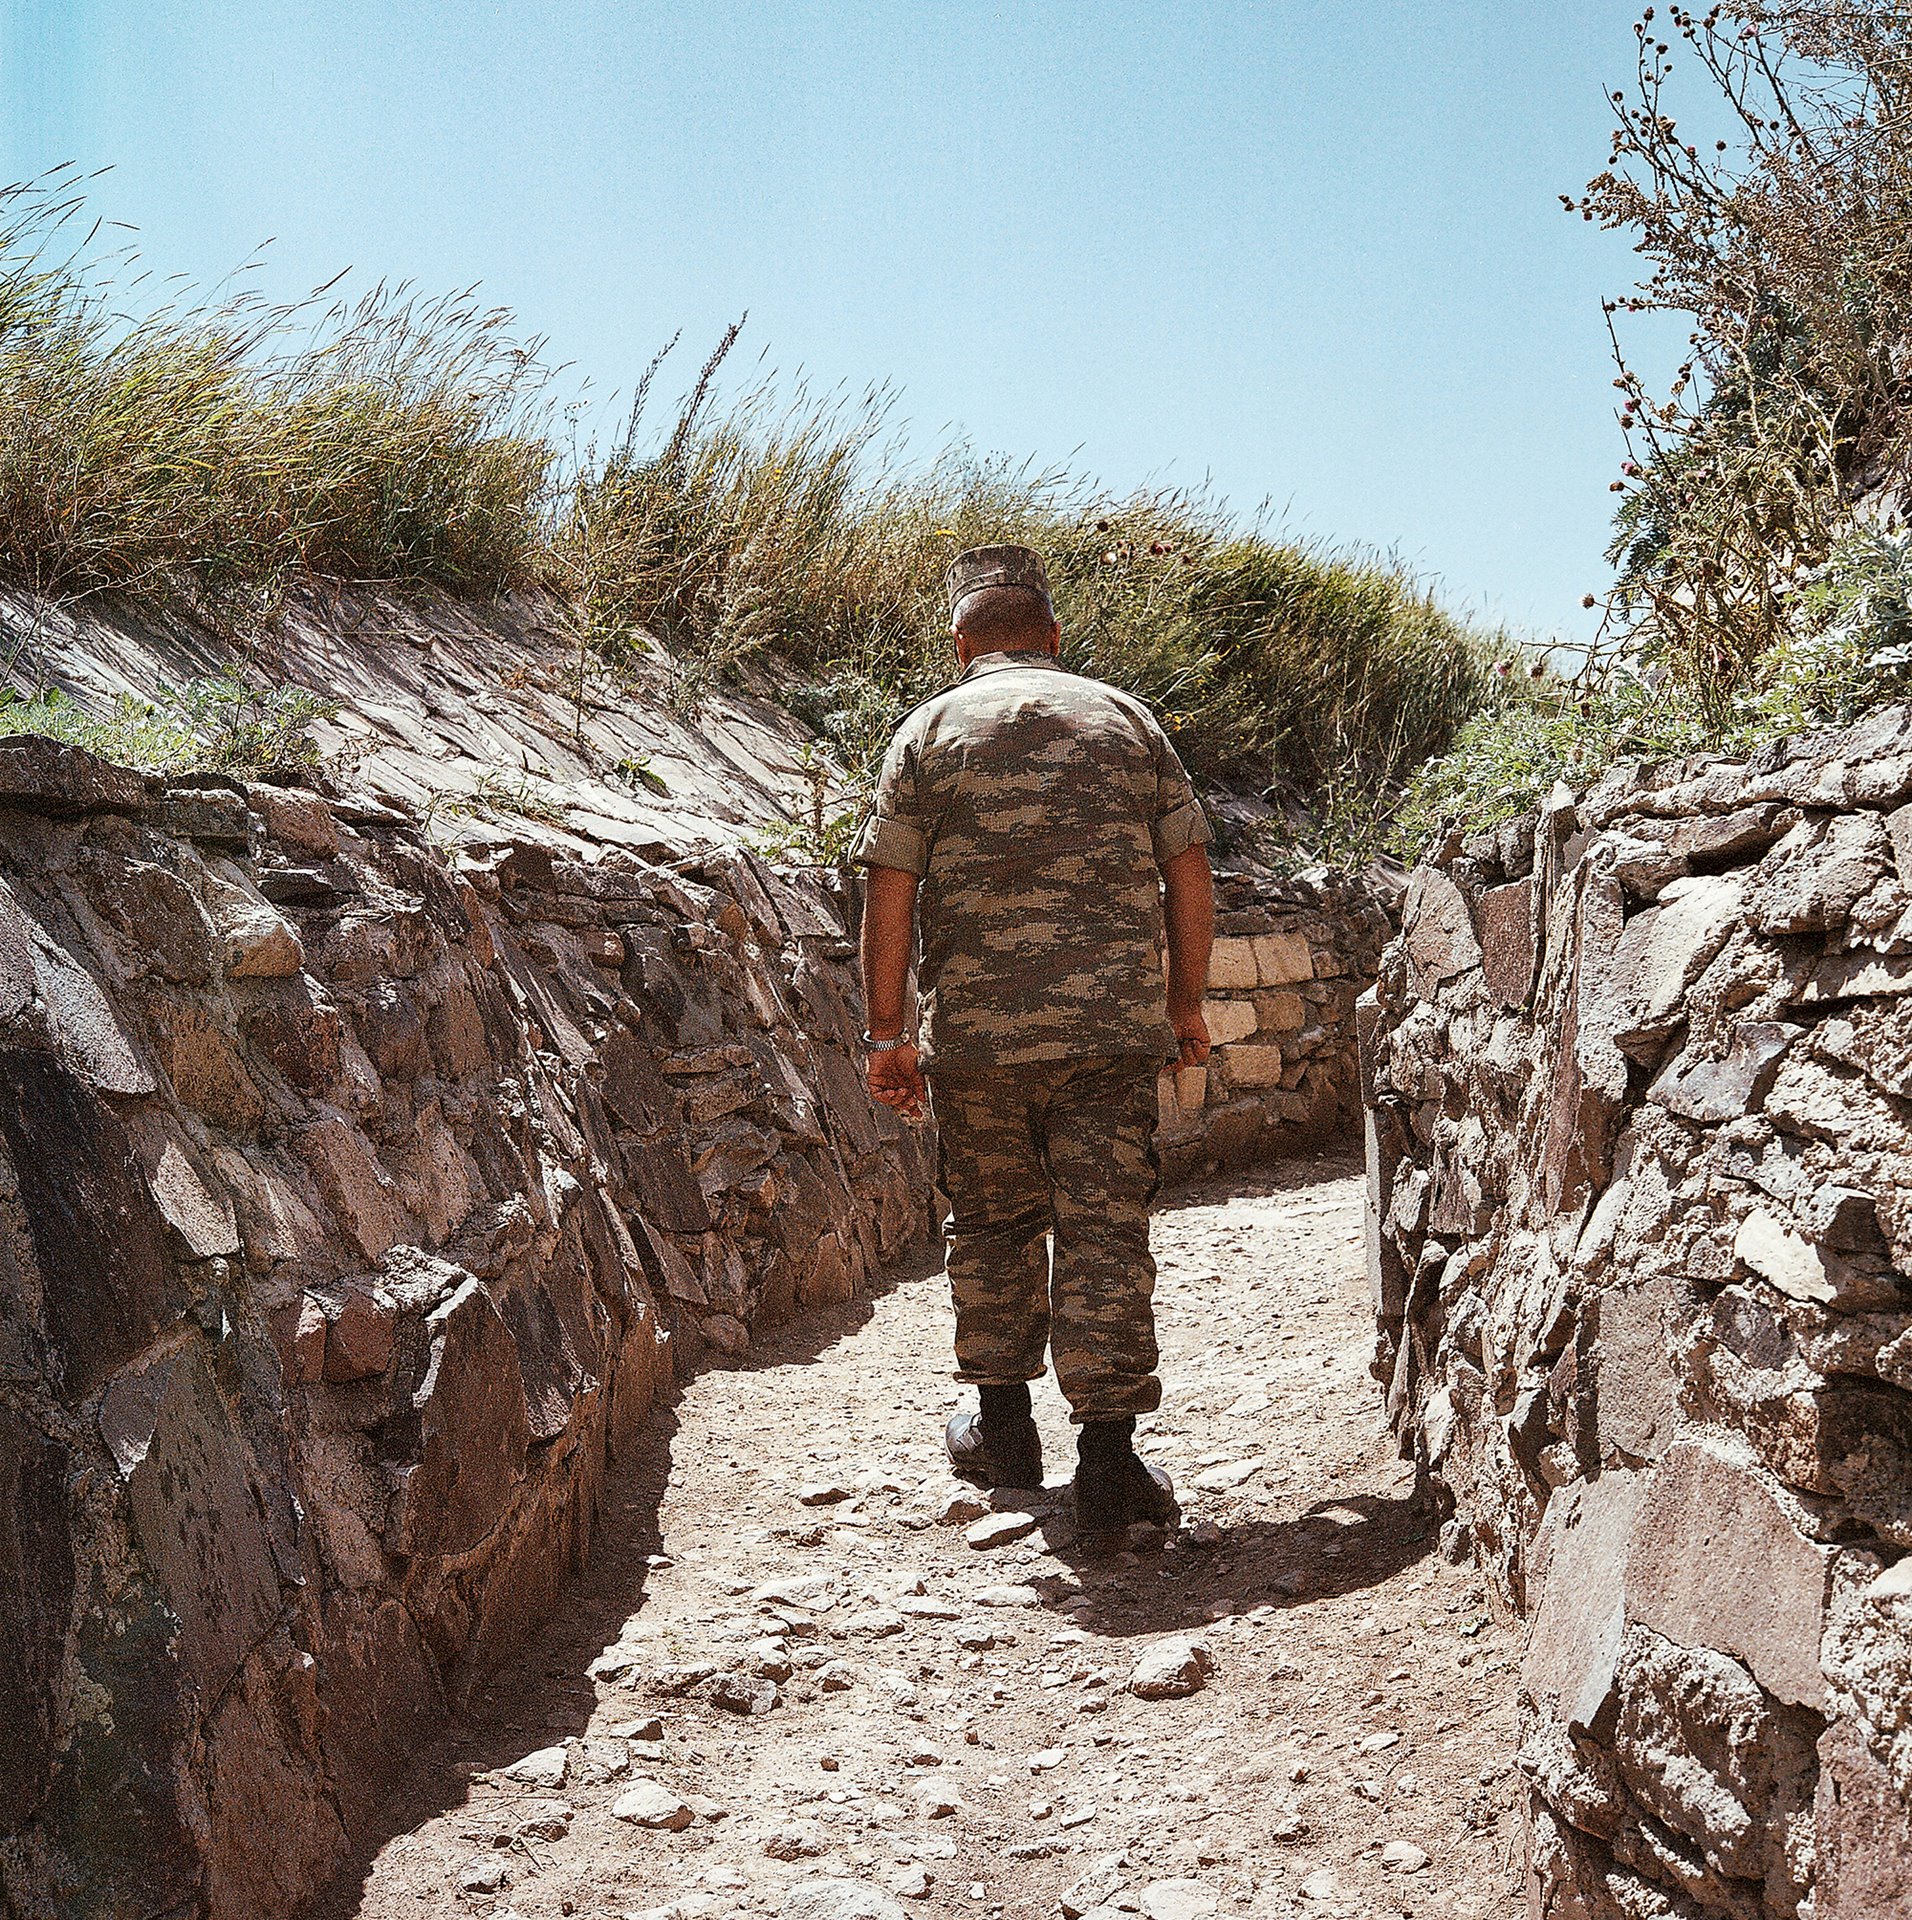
[953,1729]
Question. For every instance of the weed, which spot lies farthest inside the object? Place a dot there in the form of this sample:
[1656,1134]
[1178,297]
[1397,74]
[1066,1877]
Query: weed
[225,724]
[635,771]
[1502,764]
[495,794]
[519,794]
[824,834]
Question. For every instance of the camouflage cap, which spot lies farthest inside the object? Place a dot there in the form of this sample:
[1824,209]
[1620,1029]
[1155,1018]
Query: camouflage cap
[984,567]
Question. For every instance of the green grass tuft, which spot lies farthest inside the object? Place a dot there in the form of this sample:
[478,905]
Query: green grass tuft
[224,723]
[803,529]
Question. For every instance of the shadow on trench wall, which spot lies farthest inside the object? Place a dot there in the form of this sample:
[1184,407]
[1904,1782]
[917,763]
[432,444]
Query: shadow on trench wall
[357,1202]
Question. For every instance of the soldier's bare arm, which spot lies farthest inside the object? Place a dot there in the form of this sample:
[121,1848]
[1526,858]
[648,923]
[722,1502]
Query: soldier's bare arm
[1189,909]
[889,924]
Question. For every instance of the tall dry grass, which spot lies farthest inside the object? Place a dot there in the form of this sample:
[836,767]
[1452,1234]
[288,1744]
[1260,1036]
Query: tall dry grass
[216,443]
[803,526]
[219,447]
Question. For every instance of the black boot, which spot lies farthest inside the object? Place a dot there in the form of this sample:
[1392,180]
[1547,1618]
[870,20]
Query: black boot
[998,1445]
[1114,1489]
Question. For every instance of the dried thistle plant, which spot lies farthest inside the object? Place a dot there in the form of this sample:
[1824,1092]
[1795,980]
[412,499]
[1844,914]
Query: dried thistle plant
[1788,247]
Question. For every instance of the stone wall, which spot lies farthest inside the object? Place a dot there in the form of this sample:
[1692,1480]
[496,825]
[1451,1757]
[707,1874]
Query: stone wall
[1640,1159]
[368,1162]
[1290,957]
[356,1197]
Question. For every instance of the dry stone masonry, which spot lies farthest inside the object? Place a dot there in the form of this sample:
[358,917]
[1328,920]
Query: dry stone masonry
[355,1202]
[1639,1074]
[1290,957]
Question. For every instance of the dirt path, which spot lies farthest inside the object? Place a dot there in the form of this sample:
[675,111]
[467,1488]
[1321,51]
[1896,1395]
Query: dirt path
[953,1728]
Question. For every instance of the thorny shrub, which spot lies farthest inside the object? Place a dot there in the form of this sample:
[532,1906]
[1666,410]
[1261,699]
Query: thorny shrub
[1789,249]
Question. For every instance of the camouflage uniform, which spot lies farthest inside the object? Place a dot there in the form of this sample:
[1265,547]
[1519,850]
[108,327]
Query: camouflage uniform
[1037,807]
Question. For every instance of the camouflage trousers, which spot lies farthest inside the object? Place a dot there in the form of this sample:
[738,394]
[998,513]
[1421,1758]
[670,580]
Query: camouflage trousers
[1062,1150]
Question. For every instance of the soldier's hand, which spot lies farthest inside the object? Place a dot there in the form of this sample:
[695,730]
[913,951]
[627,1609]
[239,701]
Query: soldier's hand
[897,1081]
[1192,1031]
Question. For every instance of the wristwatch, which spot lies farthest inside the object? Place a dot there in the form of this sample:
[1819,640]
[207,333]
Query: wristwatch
[875,1045]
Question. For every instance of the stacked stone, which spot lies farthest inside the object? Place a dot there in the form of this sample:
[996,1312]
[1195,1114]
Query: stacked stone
[1639,1081]
[1290,957]
[355,1202]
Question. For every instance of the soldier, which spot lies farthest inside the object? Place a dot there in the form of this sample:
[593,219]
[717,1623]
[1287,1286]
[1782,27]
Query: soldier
[1039,822]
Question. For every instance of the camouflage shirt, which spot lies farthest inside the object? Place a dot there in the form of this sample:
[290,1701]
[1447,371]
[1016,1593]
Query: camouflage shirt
[1036,807]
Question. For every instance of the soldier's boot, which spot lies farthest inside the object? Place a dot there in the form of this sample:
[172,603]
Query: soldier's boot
[997,1445]
[1113,1488]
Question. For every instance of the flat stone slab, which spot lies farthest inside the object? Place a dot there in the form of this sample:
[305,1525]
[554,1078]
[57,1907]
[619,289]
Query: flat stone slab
[1716,1562]
[47,776]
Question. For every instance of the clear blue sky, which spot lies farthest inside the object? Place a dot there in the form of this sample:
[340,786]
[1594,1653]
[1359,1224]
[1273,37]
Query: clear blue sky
[1313,252]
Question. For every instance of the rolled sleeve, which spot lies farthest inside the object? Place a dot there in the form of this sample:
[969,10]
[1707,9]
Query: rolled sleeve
[1179,821]
[893,835]
[1176,831]
[888,842]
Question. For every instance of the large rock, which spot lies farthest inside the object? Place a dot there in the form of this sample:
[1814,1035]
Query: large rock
[1705,1752]
[1231,965]
[1637,1386]
[1813,878]
[1863,1832]
[107,1277]
[1637,991]
[1506,920]
[359,1191]
[40,775]
[650,1804]
[360,1332]
[1283,959]
[838,1900]
[162,926]
[1714,1561]
[1438,932]
[1699,1087]
[36,1597]
[1573,1648]
[667,1191]
[1805,1269]
[1172,1669]
[196,1512]
[187,1195]
[84,1024]
[1182,1900]
[473,1432]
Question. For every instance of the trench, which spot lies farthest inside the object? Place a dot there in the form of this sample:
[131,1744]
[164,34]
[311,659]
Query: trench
[789,1681]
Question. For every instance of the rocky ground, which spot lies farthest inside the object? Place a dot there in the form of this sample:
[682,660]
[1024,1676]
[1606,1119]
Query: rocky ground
[808,1675]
